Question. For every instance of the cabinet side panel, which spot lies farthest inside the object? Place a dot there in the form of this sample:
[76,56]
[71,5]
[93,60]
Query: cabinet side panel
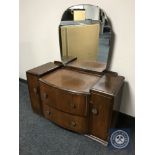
[116,107]
[100,115]
[34,93]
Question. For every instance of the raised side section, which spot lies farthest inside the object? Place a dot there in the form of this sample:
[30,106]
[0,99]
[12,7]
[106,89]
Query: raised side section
[33,76]
[105,102]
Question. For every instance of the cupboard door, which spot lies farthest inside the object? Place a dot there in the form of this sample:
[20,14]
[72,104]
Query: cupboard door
[100,115]
[34,92]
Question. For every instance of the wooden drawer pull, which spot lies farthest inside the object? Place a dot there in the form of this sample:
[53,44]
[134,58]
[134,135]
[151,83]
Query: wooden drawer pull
[49,113]
[45,96]
[35,91]
[94,111]
[73,124]
[72,105]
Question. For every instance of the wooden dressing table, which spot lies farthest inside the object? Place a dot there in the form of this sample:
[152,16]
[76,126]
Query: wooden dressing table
[75,98]
[78,94]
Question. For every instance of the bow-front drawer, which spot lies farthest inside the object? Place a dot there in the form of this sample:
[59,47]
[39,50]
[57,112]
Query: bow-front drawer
[68,121]
[64,100]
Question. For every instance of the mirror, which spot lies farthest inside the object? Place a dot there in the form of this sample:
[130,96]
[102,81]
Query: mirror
[85,33]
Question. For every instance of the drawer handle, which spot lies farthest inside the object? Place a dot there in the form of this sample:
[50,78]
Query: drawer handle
[45,96]
[49,113]
[72,105]
[35,91]
[73,124]
[94,111]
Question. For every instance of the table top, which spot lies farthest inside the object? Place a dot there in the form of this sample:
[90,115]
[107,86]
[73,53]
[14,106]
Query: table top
[88,65]
[70,80]
[40,70]
[108,84]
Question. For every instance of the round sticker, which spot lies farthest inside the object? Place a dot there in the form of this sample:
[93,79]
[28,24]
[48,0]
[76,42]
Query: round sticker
[119,139]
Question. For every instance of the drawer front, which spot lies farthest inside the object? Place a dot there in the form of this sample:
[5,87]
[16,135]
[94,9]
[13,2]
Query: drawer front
[63,100]
[33,86]
[100,115]
[68,121]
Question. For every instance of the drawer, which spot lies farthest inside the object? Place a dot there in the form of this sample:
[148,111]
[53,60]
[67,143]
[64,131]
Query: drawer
[68,121]
[64,100]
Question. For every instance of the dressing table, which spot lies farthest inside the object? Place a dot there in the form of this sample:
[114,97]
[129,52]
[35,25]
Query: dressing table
[78,92]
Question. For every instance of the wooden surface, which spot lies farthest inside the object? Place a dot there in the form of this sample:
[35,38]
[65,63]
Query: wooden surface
[100,115]
[77,100]
[71,122]
[33,76]
[63,100]
[34,92]
[70,80]
[108,84]
[43,69]
[88,65]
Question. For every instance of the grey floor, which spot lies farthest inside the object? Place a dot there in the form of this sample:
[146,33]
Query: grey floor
[39,136]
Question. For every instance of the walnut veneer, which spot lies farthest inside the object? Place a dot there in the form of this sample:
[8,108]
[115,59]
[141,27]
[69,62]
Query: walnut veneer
[78,96]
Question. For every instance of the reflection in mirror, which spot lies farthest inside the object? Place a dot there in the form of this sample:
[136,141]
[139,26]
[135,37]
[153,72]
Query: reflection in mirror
[85,33]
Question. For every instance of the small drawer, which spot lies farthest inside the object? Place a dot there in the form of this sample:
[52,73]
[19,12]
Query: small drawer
[68,121]
[64,100]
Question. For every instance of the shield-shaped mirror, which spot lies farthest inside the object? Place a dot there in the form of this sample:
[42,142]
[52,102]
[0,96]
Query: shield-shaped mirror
[85,33]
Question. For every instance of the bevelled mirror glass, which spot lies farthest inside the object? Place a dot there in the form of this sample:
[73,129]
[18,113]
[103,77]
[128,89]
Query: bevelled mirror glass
[85,33]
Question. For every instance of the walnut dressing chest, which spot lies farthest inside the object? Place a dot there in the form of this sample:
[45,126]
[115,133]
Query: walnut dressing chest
[78,92]
[77,100]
